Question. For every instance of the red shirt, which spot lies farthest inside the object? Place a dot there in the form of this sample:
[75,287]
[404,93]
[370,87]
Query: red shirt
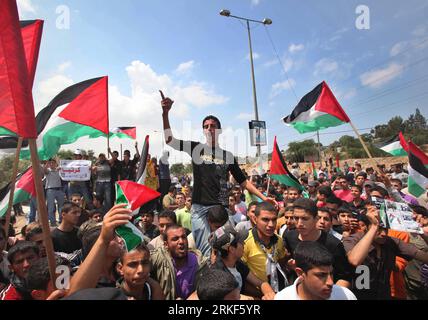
[10,293]
[345,195]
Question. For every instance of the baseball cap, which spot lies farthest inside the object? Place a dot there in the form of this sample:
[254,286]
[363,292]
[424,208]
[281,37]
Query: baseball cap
[223,237]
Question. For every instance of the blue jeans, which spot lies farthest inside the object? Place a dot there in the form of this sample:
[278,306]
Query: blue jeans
[51,196]
[200,228]
[33,210]
[104,189]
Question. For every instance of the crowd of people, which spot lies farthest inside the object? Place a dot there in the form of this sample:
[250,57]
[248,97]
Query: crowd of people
[224,235]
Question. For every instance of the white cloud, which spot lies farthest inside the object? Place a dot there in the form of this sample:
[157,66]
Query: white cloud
[279,87]
[255,3]
[379,77]
[245,116]
[398,48]
[325,65]
[295,47]
[25,7]
[185,67]
[47,89]
[420,31]
[64,66]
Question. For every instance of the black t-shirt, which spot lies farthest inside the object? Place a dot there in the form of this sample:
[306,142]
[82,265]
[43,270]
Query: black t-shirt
[210,172]
[342,269]
[66,242]
[129,170]
[116,168]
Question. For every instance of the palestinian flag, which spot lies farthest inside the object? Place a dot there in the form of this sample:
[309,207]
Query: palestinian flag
[80,110]
[31,32]
[317,110]
[279,170]
[418,171]
[314,170]
[24,190]
[16,100]
[134,195]
[395,146]
[142,169]
[124,132]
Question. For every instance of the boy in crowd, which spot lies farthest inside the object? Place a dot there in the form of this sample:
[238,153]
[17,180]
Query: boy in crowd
[325,223]
[184,217]
[314,266]
[146,226]
[218,285]
[64,237]
[166,218]
[21,257]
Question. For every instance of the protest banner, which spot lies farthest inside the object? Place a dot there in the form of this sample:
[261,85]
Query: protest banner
[75,170]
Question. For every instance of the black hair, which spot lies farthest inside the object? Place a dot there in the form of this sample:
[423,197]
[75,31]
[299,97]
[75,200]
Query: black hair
[381,190]
[334,200]
[68,206]
[33,232]
[217,214]
[211,117]
[312,254]
[151,213]
[89,237]
[171,227]
[216,284]
[360,188]
[420,210]
[171,188]
[140,247]
[21,247]
[264,206]
[325,190]
[304,179]
[398,181]
[252,203]
[325,209]
[38,275]
[363,218]
[299,191]
[308,205]
[344,210]
[76,195]
[99,198]
[168,214]
[91,213]
[362,174]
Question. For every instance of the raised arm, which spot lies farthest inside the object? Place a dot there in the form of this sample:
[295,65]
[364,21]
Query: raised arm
[89,271]
[166,107]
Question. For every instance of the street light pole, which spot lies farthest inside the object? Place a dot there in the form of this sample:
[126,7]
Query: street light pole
[266,21]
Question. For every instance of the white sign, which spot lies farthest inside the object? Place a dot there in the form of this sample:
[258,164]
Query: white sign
[75,170]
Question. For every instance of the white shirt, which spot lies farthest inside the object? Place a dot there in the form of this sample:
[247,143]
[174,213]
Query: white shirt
[238,217]
[241,208]
[338,293]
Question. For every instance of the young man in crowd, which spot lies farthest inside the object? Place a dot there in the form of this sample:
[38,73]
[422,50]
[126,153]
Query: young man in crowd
[325,222]
[250,223]
[348,220]
[240,205]
[264,248]
[166,218]
[306,215]
[38,280]
[184,216]
[134,268]
[115,170]
[175,267]
[397,184]
[168,201]
[146,225]
[377,251]
[21,257]
[102,171]
[236,216]
[323,193]
[312,190]
[357,203]
[64,237]
[360,179]
[218,285]
[314,266]
[54,190]
[128,166]
[293,194]
[228,245]
[35,234]
[400,174]
[211,166]
[286,222]
[343,193]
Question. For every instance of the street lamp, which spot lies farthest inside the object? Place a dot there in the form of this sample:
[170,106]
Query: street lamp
[266,21]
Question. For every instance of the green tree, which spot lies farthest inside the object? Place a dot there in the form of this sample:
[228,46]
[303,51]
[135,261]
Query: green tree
[297,151]
[6,167]
[177,169]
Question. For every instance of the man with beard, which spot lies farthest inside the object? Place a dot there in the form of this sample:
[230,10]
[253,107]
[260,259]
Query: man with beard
[175,267]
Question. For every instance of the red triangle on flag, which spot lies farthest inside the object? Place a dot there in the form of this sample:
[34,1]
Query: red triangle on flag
[26,183]
[137,194]
[328,103]
[90,108]
[277,163]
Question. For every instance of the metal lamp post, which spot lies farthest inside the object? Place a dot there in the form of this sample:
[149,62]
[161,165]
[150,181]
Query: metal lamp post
[266,21]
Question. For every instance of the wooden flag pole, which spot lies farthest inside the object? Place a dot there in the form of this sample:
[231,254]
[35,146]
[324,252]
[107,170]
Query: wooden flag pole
[374,163]
[42,210]
[12,189]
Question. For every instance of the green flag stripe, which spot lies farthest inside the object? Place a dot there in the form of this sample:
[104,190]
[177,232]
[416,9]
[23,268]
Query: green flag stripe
[414,188]
[18,197]
[319,123]
[288,181]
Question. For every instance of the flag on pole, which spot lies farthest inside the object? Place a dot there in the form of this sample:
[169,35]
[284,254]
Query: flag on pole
[279,170]
[395,146]
[317,110]
[314,170]
[78,111]
[134,195]
[418,170]
[124,132]
[24,190]
[16,100]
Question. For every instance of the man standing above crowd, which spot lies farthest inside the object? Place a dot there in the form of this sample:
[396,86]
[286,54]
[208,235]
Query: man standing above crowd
[79,186]
[102,171]
[211,166]
[129,167]
[54,191]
